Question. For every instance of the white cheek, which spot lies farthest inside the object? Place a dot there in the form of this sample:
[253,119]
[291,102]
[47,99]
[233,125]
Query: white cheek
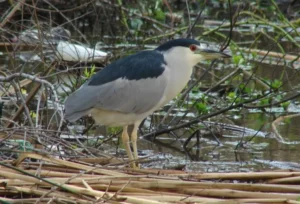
[194,59]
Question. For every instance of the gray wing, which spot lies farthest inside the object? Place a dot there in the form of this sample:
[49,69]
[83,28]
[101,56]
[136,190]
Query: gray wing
[123,95]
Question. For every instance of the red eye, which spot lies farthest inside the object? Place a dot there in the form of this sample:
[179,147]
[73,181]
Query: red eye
[193,48]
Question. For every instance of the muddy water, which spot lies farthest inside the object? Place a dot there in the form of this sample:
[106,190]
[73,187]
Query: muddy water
[239,150]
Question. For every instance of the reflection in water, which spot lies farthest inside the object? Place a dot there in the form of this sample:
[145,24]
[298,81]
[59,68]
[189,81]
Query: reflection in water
[237,152]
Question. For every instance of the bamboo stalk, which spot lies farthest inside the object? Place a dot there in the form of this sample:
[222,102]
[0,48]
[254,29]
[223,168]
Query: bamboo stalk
[164,184]
[79,190]
[66,163]
[40,192]
[248,187]
[22,177]
[140,186]
[48,173]
[40,201]
[294,180]
[155,171]
[228,193]
[177,185]
[261,200]
[3,200]
[89,187]
[90,192]
[272,54]
[97,177]
[93,180]
[114,188]
[241,175]
[54,168]
[100,160]
[181,199]
[14,182]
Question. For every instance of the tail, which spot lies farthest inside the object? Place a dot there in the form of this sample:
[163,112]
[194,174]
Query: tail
[74,115]
[73,108]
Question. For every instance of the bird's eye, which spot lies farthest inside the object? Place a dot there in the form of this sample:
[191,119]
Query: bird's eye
[193,48]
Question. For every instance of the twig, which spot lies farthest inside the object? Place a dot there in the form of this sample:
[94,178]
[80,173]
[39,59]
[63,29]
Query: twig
[257,80]
[124,20]
[233,73]
[171,13]
[272,104]
[38,107]
[31,77]
[196,120]
[278,120]
[189,15]
[11,13]
[272,54]
[23,105]
[136,14]
[33,91]
[229,37]
[68,20]
[191,28]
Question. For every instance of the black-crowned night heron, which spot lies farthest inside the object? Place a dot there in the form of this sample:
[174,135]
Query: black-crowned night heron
[130,89]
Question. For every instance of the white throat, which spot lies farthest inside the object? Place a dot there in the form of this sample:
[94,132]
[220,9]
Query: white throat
[180,62]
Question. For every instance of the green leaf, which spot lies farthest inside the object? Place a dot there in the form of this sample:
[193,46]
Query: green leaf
[264,101]
[231,95]
[33,114]
[244,88]
[159,15]
[237,59]
[93,69]
[276,84]
[285,105]
[113,130]
[202,108]
[254,54]
[86,73]
[136,23]
[23,91]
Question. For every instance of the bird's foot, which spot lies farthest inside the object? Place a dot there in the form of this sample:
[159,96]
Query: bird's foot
[135,165]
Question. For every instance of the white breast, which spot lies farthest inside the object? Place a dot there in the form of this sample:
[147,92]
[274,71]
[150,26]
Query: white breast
[179,70]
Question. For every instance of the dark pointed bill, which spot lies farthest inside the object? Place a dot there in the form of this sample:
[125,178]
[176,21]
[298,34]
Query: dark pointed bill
[211,54]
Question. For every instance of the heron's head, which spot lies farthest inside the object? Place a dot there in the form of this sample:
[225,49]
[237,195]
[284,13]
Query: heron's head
[188,50]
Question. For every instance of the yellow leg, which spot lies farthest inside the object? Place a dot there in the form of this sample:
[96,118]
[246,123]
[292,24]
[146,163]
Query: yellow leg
[126,141]
[134,139]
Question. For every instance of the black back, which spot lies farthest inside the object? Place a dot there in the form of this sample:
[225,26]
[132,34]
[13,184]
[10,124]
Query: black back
[145,64]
